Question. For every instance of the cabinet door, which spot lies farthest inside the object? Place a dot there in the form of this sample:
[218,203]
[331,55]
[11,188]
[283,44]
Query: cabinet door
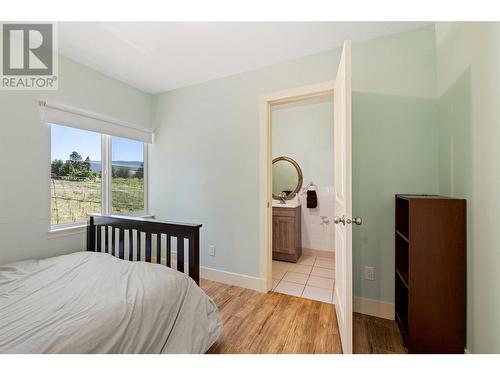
[275,231]
[285,237]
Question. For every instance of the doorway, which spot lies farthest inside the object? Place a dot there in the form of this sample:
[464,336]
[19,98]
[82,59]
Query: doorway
[286,97]
[342,94]
[302,198]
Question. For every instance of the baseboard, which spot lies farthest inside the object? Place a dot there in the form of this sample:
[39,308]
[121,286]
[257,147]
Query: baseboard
[243,281]
[318,253]
[367,306]
[230,278]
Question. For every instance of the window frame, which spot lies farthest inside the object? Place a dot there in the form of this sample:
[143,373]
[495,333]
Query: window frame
[58,230]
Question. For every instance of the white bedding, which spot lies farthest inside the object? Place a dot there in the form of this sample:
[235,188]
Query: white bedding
[90,302]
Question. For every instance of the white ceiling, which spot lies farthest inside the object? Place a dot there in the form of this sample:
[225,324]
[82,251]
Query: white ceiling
[156,57]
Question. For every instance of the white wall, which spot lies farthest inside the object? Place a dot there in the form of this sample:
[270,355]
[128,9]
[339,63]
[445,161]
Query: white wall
[304,132]
[25,155]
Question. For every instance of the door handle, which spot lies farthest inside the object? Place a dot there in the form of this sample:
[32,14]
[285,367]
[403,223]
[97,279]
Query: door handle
[338,219]
[357,220]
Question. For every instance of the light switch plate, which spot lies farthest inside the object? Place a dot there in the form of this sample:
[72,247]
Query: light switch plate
[211,250]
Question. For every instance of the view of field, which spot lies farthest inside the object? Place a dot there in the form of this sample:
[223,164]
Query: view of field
[76,183]
[73,198]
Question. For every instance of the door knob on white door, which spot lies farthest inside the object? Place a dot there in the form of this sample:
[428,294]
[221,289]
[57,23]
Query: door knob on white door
[338,219]
[343,220]
[357,220]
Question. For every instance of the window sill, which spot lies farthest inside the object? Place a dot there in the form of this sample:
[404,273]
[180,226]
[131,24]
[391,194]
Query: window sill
[78,228]
[67,231]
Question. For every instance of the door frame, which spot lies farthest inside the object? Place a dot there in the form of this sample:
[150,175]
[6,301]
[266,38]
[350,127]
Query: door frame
[266,102]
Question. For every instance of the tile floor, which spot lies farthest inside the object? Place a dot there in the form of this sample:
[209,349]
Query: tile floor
[311,277]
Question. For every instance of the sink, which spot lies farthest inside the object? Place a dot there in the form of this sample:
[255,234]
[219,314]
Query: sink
[289,204]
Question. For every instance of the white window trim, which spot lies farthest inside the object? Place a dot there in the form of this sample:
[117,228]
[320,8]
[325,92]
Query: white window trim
[63,230]
[67,229]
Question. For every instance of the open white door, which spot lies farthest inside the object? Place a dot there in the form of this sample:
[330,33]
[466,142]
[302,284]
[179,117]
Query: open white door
[343,198]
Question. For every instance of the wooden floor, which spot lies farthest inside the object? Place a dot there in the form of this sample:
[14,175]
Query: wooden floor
[373,335]
[272,323]
[277,323]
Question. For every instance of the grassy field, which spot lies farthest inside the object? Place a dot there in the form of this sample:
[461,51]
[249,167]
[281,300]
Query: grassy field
[71,200]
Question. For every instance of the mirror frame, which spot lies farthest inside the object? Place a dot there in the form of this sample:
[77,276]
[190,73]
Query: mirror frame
[299,172]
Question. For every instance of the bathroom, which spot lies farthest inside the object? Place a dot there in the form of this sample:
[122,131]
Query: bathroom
[302,188]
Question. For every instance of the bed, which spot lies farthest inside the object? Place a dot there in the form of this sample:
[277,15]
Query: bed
[109,300]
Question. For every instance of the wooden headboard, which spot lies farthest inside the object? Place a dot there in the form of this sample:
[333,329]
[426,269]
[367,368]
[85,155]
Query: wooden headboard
[109,234]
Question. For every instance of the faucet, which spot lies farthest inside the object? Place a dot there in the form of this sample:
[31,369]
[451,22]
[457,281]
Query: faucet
[282,197]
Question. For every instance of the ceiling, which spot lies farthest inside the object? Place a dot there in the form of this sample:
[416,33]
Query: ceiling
[160,56]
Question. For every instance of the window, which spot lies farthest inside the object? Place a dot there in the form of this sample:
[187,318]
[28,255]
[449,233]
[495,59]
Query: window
[80,182]
[127,183]
[76,183]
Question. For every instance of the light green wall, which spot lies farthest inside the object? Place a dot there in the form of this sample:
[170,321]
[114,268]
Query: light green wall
[394,145]
[468,88]
[395,150]
[204,164]
[206,154]
[304,132]
[25,155]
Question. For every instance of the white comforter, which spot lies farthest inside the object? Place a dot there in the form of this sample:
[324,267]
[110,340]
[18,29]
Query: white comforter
[95,303]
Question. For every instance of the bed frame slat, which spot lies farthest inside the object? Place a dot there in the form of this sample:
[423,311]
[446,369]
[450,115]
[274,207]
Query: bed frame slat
[169,246]
[138,255]
[106,239]
[99,241]
[130,244]
[158,248]
[181,231]
[113,246]
[121,243]
[180,254]
[148,247]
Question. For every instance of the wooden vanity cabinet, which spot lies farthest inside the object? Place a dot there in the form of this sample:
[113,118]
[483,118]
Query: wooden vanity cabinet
[287,233]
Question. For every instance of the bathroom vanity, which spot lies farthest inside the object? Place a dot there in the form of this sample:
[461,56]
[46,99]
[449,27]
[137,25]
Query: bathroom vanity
[287,237]
[287,226]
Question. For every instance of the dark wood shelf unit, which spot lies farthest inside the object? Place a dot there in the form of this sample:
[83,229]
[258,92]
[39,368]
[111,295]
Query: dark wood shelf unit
[401,235]
[403,276]
[430,272]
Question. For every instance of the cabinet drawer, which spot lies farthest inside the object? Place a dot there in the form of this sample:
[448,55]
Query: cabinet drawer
[277,211]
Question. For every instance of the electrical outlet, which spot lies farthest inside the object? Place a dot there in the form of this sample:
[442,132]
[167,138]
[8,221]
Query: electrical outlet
[211,250]
[369,273]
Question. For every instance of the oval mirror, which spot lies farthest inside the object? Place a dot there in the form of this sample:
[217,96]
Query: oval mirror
[287,177]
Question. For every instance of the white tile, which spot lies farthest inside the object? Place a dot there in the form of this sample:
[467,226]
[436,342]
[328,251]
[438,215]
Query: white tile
[289,288]
[326,259]
[321,282]
[299,268]
[323,272]
[294,277]
[318,294]
[306,260]
[283,266]
[275,283]
[278,274]
[325,264]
